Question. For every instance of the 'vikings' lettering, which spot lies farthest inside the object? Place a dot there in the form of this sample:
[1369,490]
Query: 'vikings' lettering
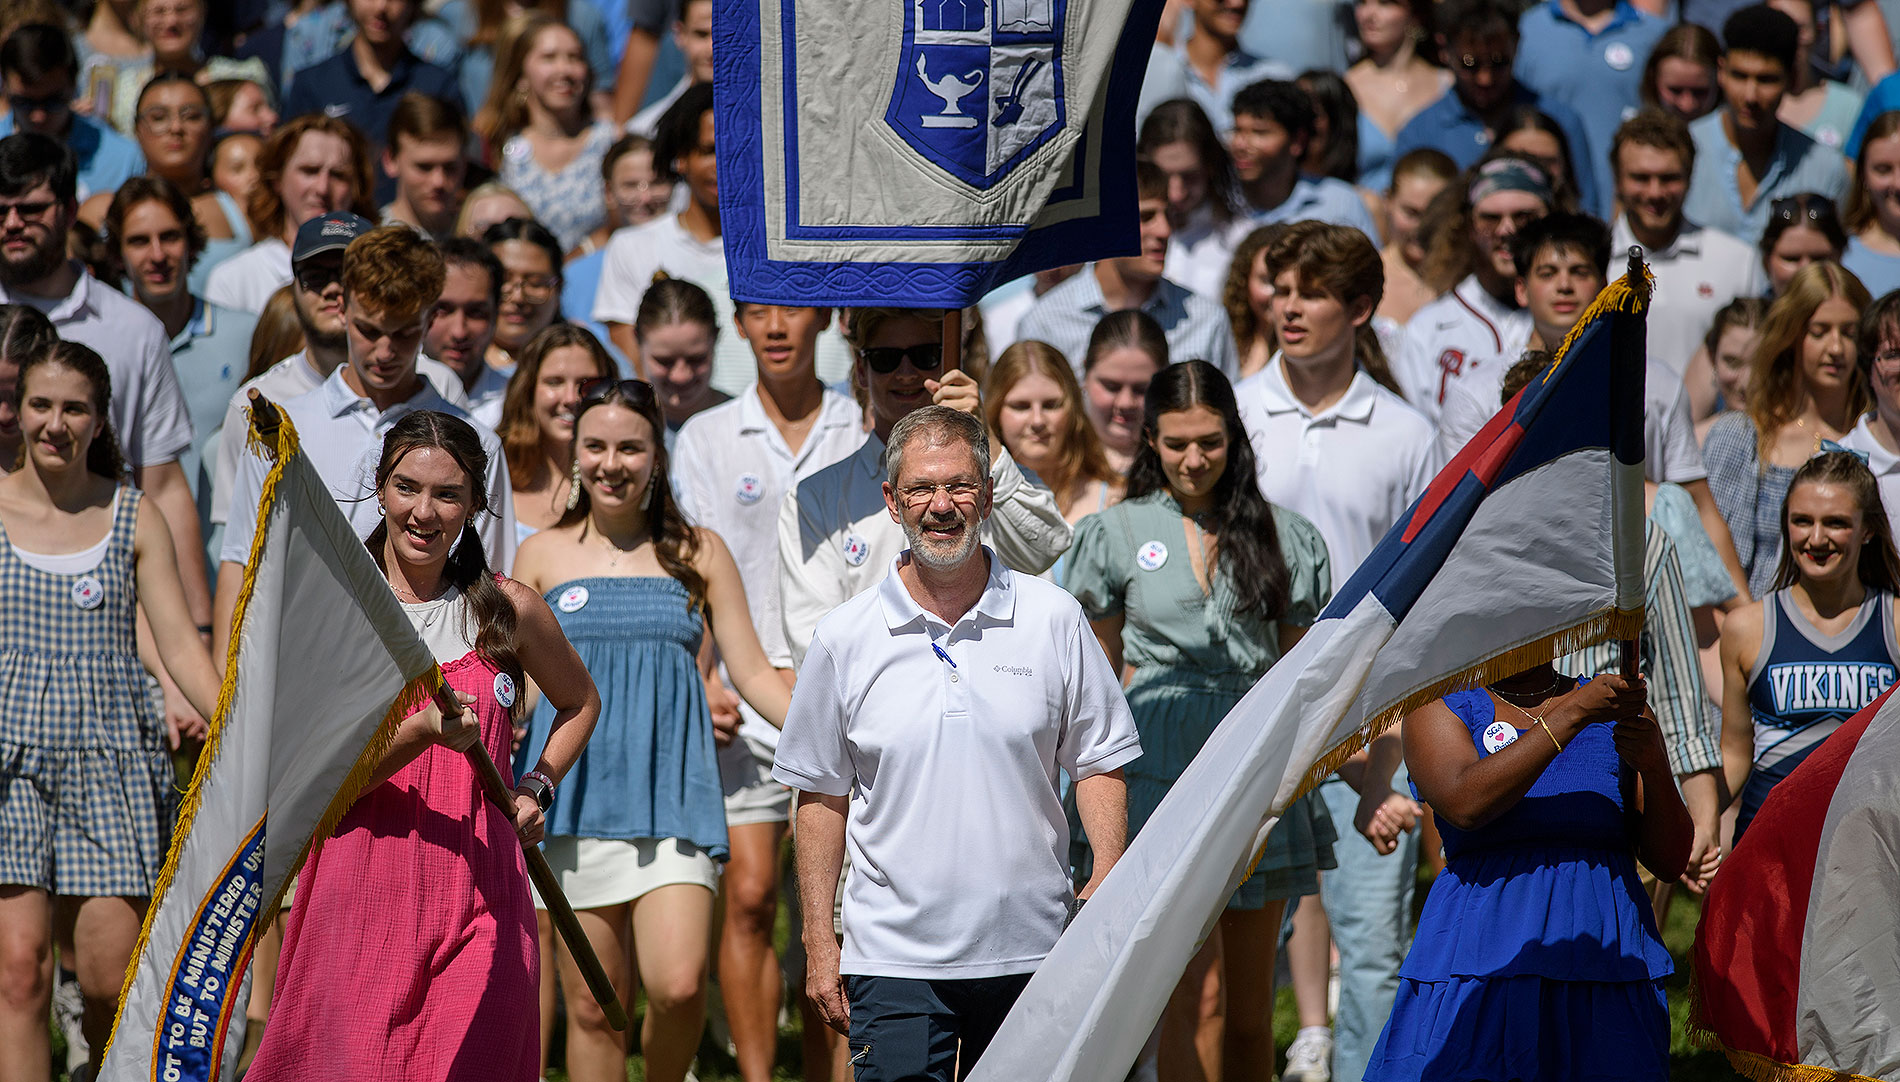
[1844,686]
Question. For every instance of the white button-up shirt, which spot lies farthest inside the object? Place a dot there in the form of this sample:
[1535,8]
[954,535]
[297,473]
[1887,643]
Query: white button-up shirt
[1462,333]
[947,738]
[148,410]
[342,434]
[1352,468]
[1696,275]
[836,537]
[731,473]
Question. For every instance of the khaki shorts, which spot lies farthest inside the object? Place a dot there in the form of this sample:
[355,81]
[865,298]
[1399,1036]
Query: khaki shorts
[745,773]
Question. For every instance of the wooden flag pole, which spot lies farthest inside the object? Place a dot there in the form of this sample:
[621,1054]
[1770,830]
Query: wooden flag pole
[952,339]
[264,420]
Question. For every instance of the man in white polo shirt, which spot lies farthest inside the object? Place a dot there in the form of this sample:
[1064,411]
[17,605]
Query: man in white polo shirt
[834,535]
[732,467]
[926,732]
[391,278]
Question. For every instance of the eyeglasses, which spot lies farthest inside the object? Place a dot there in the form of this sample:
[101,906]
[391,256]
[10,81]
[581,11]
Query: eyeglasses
[52,103]
[534,288]
[927,357]
[924,493]
[636,391]
[317,277]
[1494,62]
[189,116]
[28,212]
[1808,205]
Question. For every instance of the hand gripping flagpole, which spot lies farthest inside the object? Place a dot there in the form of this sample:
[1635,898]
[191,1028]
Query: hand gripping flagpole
[264,418]
[1634,335]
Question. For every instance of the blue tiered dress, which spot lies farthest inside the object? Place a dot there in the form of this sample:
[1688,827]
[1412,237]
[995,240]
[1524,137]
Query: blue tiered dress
[1537,956]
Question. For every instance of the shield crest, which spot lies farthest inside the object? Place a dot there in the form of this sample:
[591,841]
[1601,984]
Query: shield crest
[979,83]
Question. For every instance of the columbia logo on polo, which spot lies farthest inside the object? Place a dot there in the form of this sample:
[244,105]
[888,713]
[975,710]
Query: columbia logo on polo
[1015,670]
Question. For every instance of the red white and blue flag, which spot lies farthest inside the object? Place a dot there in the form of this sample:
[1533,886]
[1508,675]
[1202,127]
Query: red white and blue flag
[1528,545]
[1797,959]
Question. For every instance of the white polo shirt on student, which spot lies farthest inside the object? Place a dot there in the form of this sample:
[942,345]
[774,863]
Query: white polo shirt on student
[731,472]
[148,410]
[956,834]
[342,434]
[1696,275]
[1462,333]
[1884,463]
[836,537]
[1670,451]
[1352,468]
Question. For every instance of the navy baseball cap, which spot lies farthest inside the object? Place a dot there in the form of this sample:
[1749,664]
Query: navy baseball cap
[331,232]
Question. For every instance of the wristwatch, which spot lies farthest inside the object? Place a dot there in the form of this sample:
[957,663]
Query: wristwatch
[539,786]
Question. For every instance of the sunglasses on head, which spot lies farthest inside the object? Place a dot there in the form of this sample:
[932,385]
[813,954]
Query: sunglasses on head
[884,360]
[1815,208]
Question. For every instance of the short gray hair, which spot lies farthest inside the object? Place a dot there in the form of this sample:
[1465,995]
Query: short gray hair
[938,425]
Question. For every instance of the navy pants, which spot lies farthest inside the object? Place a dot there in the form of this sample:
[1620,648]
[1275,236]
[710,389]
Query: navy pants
[907,1030]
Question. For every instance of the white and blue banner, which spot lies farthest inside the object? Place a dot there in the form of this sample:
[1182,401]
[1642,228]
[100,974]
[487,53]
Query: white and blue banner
[921,152]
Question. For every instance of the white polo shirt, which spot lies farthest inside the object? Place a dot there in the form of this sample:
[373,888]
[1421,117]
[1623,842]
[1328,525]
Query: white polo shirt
[731,472]
[281,382]
[1462,333]
[1700,272]
[246,280]
[956,834]
[1884,463]
[836,537]
[1670,451]
[342,435]
[1352,468]
[148,410]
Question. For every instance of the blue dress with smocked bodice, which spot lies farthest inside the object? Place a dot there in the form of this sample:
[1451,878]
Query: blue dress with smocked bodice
[1537,956]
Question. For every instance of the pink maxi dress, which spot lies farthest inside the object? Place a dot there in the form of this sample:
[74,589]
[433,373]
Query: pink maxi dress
[410,952]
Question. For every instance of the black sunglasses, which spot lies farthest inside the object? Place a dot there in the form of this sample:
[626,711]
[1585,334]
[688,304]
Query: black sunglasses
[1815,208]
[637,391]
[884,360]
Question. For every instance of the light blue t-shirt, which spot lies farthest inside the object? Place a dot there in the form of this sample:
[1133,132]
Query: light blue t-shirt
[1321,199]
[1799,164]
[579,281]
[105,158]
[210,356]
[1879,272]
[1301,34]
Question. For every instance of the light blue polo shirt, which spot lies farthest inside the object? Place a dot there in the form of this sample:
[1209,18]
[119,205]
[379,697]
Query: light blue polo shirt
[105,158]
[1598,75]
[210,356]
[1321,199]
[1450,126]
[1799,165]
[1240,70]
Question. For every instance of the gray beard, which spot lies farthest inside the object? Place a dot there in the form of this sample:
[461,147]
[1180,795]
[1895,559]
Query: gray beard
[935,556]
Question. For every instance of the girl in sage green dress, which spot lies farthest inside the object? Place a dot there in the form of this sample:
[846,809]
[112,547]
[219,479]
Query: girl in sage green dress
[1195,586]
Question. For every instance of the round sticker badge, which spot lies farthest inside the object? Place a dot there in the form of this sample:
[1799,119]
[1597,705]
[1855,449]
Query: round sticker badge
[749,490]
[504,690]
[856,549]
[1499,735]
[1619,56]
[571,599]
[1151,556]
[89,593]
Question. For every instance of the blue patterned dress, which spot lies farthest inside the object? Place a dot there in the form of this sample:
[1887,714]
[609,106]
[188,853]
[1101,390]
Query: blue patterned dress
[1537,957]
[85,773]
[650,769]
[571,203]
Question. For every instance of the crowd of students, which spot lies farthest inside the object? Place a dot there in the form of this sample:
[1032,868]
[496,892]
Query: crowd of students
[1355,220]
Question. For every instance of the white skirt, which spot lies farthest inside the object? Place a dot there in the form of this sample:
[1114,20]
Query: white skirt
[598,872]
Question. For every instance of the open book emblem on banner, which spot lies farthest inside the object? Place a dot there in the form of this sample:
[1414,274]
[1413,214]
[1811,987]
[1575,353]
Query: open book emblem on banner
[979,84]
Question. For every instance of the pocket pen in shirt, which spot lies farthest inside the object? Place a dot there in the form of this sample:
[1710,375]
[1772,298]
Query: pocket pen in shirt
[944,654]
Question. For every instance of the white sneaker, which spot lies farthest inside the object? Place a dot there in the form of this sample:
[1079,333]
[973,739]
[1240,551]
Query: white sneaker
[1309,1057]
[69,1009]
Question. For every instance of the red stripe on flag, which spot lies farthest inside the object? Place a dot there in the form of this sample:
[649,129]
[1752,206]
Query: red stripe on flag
[1748,946]
[1484,456]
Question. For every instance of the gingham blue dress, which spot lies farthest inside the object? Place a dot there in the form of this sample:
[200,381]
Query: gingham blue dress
[85,774]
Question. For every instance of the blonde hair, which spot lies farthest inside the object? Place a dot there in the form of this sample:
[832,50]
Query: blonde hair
[1773,389]
[1080,455]
[506,110]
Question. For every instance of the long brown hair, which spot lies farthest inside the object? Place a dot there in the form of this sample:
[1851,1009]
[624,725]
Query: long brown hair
[1879,567]
[1340,262]
[266,209]
[1233,296]
[1081,455]
[491,613]
[506,110]
[1772,393]
[1860,206]
[102,455]
[492,15]
[675,543]
[519,431]
[278,334]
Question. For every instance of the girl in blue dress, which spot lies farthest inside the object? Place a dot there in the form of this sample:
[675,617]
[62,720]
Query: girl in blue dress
[1537,956]
[638,829]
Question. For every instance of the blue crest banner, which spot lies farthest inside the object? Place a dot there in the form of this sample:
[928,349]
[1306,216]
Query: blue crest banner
[921,152]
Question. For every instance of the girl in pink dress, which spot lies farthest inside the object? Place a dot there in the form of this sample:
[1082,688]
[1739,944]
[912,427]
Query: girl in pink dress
[410,952]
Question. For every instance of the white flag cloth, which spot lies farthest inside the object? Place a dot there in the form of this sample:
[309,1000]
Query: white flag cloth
[323,665]
[1528,545]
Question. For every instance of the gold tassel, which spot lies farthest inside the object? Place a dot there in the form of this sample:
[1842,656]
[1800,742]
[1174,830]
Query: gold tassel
[1622,295]
[1759,1068]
